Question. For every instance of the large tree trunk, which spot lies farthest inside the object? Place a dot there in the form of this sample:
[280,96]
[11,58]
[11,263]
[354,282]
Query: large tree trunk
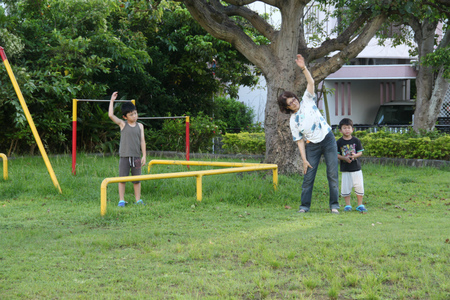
[431,87]
[280,147]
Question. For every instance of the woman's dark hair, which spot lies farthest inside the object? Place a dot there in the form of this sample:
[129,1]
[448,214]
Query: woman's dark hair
[282,101]
[127,107]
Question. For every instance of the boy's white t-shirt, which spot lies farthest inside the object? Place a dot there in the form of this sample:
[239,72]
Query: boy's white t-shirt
[308,122]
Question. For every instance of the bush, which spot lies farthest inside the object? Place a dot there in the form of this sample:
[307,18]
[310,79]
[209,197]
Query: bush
[172,136]
[245,143]
[422,145]
[419,148]
[380,144]
[235,114]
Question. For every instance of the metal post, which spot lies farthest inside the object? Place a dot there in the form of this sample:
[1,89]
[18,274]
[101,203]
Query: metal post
[5,166]
[29,119]
[187,138]
[74,137]
[199,188]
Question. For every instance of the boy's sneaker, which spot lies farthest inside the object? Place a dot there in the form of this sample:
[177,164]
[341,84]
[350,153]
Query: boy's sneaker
[140,202]
[122,203]
[348,208]
[361,208]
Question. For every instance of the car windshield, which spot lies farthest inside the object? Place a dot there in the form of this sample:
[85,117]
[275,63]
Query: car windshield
[395,115]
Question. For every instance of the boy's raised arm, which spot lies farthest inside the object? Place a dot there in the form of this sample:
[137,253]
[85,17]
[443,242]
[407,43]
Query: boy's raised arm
[111,111]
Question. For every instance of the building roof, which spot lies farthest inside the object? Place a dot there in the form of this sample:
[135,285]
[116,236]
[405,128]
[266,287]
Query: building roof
[379,72]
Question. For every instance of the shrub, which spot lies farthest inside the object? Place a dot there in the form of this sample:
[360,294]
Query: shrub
[380,144]
[245,143]
[235,114]
[422,145]
[172,136]
[419,148]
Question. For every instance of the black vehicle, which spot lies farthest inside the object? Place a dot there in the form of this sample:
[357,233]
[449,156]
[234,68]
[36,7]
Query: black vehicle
[396,113]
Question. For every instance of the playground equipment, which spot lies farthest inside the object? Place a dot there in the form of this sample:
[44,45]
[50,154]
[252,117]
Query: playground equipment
[187,129]
[233,168]
[5,166]
[29,119]
[74,126]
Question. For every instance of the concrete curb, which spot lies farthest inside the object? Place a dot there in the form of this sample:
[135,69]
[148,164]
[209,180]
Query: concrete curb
[406,162]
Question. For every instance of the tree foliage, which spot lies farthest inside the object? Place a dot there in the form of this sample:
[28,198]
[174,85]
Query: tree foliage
[151,51]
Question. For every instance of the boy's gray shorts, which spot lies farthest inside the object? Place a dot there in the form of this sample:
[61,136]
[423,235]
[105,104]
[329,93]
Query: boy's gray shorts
[127,164]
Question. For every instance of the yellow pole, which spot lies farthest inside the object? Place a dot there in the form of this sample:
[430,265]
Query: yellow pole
[5,166]
[199,188]
[275,178]
[103,196]
[29,119]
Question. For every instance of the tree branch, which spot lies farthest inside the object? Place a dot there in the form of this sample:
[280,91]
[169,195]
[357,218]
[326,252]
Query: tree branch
[212,16]
[246,2]
[320,72]
[254,18]
[341,41]
[443,7]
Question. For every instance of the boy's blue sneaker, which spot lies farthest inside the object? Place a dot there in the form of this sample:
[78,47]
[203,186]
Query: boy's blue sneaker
[122,203]
[361,208]
[348,208]
[140,202]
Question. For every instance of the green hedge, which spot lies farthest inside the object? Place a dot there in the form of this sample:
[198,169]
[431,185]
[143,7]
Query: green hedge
[245,142]
[380,144]
[420,148]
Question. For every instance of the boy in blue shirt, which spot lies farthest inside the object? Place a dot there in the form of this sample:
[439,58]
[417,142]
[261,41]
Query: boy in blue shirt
[132,146]
[349,149]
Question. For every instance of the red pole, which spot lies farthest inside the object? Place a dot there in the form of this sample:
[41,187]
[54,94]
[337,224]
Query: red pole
[74,137]
[3,54]
[187,138]
[74,147]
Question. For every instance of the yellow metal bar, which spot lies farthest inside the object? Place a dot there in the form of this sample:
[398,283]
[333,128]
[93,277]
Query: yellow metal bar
[199,163]
[31,123]
[275,178]
[199,188]
[106,181]
[5,166]
[74,110]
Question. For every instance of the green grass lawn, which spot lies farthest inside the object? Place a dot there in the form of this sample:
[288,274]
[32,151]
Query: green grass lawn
[243,241]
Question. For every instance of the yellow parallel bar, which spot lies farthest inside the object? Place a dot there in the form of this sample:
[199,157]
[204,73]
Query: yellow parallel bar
[214,164]
[198,174]
[5,166]
[32,126]
[199,163]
